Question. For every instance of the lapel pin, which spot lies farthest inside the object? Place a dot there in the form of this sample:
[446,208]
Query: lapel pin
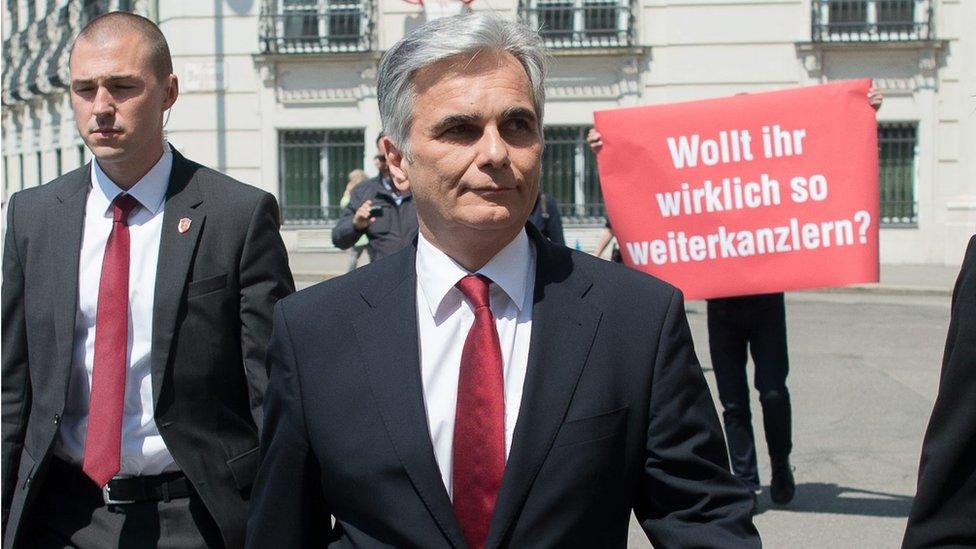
[184,225]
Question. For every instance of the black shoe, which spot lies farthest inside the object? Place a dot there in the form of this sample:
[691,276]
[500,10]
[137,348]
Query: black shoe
[782,487]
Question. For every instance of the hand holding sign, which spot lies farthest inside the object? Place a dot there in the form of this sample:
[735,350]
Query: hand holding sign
[748,194]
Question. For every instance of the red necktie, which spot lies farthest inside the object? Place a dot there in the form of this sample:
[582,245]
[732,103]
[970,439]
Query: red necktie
[103,443]
[479,426]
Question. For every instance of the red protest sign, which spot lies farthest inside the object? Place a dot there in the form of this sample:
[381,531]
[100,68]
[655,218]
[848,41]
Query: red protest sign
[748,194]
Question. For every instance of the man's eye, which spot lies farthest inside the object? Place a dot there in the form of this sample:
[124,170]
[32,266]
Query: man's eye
[520,124]
[458,131]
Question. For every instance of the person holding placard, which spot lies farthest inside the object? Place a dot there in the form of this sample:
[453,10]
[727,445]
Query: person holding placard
[753,325]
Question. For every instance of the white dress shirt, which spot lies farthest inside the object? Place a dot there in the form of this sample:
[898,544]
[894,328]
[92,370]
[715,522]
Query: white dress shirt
[143,450]
[444,319]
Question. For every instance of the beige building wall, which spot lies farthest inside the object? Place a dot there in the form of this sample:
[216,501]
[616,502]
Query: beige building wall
[235,99]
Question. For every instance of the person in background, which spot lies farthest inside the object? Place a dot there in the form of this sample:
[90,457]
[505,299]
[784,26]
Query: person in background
[606,237]
[378,210]
[753,325]
[355,178]
[545,216]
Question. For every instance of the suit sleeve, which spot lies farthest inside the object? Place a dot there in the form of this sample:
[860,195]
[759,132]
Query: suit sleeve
[344,235]
[16,399]
[264,279]
[944,510]
[688,497]
[287,505]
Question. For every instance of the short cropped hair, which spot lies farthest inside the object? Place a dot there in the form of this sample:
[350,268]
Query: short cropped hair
[110,25]
[448,37]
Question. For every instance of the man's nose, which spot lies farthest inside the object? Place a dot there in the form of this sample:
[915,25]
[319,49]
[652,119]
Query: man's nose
[104,103]
[493,149]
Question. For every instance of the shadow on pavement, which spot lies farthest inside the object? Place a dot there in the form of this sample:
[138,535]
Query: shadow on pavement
[821,497]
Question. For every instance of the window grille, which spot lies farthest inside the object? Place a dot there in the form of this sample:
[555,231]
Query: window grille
[897,153]
[872,20]
[314,167]
[581,23]
[569,174]
[317,26]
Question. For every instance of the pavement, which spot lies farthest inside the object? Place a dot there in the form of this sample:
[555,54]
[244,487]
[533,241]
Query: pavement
[312,267]
[864,373]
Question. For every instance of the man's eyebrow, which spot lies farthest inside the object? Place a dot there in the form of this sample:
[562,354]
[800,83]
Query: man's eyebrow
[519,112]
[110,78]
[453,120]
[457,119]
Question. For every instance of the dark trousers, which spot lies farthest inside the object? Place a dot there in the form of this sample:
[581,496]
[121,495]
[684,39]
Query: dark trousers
[70,512]
[737,327]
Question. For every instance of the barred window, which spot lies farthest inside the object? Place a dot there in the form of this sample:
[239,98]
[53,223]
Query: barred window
[314,166]
[871,20]
[569,174]
[317,26]
[897,151]
[580,23]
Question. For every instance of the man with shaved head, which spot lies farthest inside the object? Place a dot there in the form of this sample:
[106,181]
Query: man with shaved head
[137,298]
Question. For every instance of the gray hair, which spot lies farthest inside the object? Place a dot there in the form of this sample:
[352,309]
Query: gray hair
[444,38]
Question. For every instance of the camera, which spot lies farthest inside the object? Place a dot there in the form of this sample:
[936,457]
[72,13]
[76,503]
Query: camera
[376,210]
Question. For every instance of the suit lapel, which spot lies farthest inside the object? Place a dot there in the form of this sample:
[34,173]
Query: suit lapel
[563,328]
[176,251]
[67,226]
[393,370]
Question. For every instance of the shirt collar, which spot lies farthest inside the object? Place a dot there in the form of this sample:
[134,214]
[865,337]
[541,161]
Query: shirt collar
[387,185]
[510,269]
[150,191]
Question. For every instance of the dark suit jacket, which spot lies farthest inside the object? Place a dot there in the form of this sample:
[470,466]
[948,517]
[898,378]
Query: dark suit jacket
[215,288]
[615,416]
[944,511]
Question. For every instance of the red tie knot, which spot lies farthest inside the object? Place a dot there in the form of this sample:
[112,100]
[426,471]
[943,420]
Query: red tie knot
[122,206]
[475,289]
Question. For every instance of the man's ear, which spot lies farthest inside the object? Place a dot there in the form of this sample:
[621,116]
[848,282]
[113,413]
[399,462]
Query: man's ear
[398,164]
[172,91]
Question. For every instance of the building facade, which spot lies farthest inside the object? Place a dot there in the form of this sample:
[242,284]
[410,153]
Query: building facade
[282,93]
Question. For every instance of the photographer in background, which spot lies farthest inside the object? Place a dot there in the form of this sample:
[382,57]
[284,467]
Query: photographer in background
[378,210]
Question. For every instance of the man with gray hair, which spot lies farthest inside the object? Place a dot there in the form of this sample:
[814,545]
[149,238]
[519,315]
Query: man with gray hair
[522,394]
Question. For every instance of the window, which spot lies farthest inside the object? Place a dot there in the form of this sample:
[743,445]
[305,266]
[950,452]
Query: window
[314,167]
[871,20]
[569,174]
[301,25]
[92,9]
[315,26]
[896,171]
[580,23]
